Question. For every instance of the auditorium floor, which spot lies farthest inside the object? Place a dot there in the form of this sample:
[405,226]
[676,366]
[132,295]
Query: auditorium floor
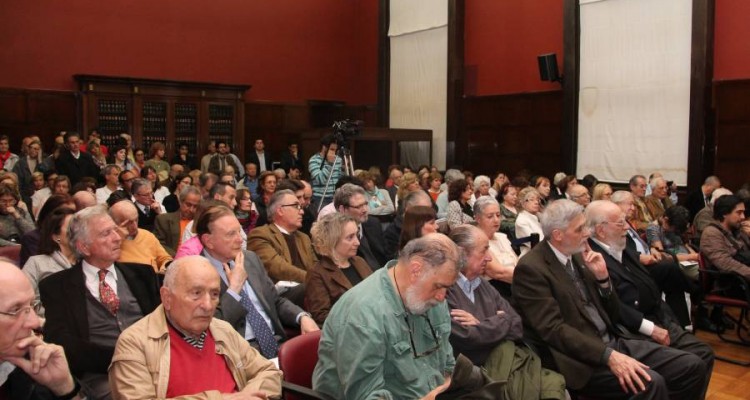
[729,381]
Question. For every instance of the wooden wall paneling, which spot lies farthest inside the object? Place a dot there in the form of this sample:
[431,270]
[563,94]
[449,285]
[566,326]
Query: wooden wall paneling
[732,132]
[570,72]
[384,64]
[514,132]
[701,133]
[44,113]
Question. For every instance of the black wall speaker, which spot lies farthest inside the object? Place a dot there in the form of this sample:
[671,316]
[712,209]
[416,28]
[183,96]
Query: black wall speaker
[548,67]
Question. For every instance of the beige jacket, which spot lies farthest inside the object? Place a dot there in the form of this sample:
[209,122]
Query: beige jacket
[140,365]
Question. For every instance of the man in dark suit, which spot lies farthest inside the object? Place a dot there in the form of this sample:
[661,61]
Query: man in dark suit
[169,228]
[249,301]
[569,310]
[662,267]
[89,305]
[259,156]
[701,198]
[351,199]
[74,163]
[148,207]
[291,158]
[641,308]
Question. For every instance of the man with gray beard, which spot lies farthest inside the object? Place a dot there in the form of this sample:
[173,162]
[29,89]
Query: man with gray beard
[388,336]
[642,309]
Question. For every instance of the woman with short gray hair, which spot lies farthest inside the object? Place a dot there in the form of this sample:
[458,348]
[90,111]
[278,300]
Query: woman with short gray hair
[527,221]
[504,259]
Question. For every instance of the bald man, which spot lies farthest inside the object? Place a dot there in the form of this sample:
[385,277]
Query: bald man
[138,245]
[84,199]
[20,348]
[213,358]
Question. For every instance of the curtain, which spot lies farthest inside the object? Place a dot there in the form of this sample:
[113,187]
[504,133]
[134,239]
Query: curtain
[634,93]
[419,73]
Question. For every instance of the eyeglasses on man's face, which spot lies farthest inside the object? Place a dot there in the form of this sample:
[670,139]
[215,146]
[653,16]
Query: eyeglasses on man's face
[24,311]
[429,351]
[298,206]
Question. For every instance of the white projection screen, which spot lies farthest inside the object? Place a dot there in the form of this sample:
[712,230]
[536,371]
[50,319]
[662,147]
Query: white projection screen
[634,93]
[419,74]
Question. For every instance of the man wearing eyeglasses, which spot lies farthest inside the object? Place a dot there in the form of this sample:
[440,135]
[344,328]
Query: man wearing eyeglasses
[21,349]
[387,337]
[148,207]
[248,299]
[350,199]
[286,252]
[564,294]
[641,308]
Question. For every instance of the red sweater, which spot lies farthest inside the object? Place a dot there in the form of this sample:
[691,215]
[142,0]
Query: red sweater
[194,371]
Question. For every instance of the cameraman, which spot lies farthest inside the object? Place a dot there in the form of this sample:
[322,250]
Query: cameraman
[323,165]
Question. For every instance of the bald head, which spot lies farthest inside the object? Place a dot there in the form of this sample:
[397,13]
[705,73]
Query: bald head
[84,199]
[125,216]
[190,294]
[579,194]
[606,221]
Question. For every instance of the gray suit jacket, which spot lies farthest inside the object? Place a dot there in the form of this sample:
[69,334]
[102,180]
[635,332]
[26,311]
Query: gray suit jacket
[167,230]
[553,314]
[281,311]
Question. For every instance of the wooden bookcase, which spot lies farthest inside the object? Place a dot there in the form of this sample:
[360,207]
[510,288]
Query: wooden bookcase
[172,112]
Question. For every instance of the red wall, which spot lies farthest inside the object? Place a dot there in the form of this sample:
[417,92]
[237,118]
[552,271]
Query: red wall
[502,40]
[288,50]
[731,44]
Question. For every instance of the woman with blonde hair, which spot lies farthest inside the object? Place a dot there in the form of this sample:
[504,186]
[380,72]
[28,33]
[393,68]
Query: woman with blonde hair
[409,183]
[338,269]
[602,191]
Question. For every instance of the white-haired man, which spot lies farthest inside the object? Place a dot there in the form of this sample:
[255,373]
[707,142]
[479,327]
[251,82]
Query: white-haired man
[565,297]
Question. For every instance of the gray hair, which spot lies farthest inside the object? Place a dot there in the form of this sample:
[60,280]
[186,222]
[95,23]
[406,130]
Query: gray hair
[413,198]
[138,183]
[453,175]
[109,167]
[558,178]
[187,191]
[558,215]
[80,225]
[465,237]
[482,203]
[655,182]
[595,213]
[274,203]
[621,196]
[479,180]
[718,193]
[712,180]
[434,249]
[345,193]
[525,194]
